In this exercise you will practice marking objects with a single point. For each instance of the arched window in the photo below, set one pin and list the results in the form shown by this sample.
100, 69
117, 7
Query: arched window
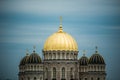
28, 78
101, 68
21, 78
54, 73
63, 73
34, 78
91, 68
71, 55
67, 55
31, 67
85, 78
104, 78
98, 68
71, 73
85, 68
92, 78
46, 73
40, 78
50, 54
35, 67
98, 78
82, 69
45, 56
58, 55
54, 55
94, 68
63, 56
74, 56
28, 67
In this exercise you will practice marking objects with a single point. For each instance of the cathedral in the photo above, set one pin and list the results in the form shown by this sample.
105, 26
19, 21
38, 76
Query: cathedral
60, 61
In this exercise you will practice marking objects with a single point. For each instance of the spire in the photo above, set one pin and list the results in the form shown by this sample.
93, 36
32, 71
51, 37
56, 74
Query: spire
60, 27
84, 52
96, 49
34, 47
27, 52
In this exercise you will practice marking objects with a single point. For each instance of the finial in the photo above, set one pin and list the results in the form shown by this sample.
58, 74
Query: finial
60, 28
96, 51
27, 52
84, 52
34, 47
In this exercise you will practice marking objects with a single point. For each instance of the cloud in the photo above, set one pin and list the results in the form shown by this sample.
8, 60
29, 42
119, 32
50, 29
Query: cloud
81, 7
90, 22
26, 34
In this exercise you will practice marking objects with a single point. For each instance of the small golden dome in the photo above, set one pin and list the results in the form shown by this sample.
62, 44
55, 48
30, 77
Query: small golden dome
60, 41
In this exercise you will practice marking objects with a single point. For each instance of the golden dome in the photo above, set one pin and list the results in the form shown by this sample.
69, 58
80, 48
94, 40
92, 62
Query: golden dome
60, 41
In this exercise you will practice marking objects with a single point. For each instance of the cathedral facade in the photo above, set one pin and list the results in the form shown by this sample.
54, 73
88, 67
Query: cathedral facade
61, 61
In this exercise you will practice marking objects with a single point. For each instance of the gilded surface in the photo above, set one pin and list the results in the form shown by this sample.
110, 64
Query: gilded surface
60, 41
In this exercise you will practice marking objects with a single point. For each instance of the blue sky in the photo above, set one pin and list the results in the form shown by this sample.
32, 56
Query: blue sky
24, 24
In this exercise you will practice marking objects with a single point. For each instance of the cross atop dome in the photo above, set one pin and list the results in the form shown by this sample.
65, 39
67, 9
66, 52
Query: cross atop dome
60, 28
96, 49
60, 20
60, 41
34, 47
84, 52
27, 52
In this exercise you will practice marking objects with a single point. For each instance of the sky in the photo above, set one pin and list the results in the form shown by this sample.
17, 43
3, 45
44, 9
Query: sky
91, 23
